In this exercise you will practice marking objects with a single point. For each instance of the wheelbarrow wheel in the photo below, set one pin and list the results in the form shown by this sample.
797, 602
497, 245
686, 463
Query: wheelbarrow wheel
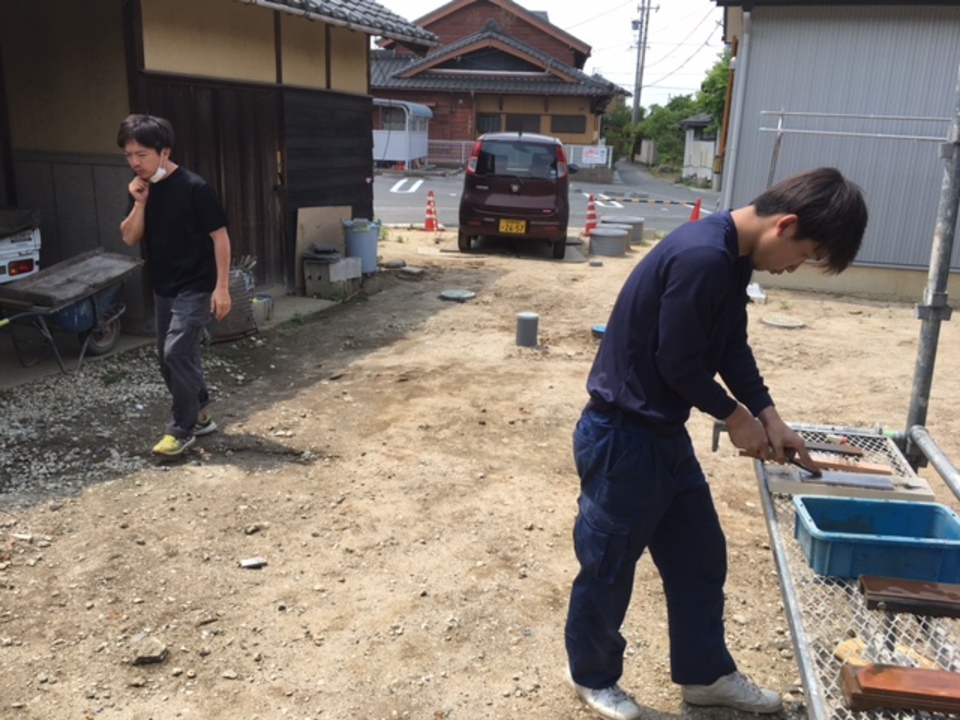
101, 341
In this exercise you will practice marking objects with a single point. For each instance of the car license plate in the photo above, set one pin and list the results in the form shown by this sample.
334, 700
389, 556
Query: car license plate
513, 226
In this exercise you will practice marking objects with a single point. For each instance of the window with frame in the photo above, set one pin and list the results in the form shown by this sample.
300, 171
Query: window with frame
523, 123
568, 124
488, 122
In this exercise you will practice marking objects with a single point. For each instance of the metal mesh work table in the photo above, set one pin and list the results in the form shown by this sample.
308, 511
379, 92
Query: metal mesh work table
824, 611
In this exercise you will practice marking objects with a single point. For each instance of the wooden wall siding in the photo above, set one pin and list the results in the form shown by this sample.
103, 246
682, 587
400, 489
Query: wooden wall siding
229, 135
472, 18
329, 153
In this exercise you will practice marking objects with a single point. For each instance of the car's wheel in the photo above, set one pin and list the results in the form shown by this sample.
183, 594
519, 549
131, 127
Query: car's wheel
101, 341
463, 241
559, 250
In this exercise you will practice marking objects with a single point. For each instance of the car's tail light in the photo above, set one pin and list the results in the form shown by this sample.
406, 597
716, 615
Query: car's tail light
20, 267
474, 156
561, 162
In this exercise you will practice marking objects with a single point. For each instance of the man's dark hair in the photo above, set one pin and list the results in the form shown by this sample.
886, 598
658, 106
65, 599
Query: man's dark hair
148, 130
830, 209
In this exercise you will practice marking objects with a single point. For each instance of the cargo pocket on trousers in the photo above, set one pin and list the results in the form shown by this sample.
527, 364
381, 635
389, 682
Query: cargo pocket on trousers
600, 540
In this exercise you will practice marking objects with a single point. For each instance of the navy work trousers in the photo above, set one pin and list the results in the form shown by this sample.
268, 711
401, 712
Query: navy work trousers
181, 327
640, 489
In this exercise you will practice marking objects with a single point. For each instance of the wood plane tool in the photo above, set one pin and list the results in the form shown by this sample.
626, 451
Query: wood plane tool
899, 688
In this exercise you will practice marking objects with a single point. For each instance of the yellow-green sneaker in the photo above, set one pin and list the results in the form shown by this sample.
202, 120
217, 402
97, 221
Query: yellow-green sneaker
172, 446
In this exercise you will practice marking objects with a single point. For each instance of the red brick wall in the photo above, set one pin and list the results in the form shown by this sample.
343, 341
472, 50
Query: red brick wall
471, 19
452, 112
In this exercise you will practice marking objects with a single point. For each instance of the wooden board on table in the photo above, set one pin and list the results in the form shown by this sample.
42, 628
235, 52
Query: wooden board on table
793, 481
852, 466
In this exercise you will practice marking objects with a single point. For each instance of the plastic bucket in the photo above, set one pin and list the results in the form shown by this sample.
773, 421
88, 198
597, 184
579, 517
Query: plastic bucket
361, 238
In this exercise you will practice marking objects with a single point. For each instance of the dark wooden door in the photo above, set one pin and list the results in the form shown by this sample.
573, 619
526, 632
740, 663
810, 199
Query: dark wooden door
229, 134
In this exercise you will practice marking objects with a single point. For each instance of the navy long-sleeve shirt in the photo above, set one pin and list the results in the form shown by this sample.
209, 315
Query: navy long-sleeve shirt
680, 320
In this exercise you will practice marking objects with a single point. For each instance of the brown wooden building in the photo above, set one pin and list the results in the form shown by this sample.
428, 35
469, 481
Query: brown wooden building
498, 67
269, 99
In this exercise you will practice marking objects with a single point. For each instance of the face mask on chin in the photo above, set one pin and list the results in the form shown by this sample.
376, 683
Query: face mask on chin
159, 175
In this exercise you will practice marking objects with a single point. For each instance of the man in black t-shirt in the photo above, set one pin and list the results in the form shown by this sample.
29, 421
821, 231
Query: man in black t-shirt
184, 228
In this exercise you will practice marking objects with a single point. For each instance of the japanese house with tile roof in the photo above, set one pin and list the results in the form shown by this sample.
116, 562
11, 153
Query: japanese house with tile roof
499, 67
269, 100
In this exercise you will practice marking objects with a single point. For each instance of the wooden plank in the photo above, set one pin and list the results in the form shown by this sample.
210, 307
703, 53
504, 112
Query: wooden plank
933, 599
899, 688
71, 280
851, 466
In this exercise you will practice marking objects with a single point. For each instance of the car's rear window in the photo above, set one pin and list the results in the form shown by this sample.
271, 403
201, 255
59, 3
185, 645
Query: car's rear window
517, 159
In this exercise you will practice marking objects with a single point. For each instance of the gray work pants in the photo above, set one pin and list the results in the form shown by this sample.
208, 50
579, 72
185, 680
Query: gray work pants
181, 327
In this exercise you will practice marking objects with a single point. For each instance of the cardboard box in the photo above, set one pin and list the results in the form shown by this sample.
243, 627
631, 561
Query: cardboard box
332, 281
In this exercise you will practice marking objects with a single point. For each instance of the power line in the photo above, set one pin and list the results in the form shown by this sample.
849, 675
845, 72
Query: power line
584, 22
679, 67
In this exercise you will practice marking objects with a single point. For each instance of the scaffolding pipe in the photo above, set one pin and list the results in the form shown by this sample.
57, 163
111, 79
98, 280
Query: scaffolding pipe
922, 441
934, 308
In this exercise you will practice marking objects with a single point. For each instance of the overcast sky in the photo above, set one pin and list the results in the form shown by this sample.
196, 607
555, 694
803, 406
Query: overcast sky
683, 40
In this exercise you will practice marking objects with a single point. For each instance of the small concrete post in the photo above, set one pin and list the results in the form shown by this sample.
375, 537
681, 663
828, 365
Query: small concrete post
527, 329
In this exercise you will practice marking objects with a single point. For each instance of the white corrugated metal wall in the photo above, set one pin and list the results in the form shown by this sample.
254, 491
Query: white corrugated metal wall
900, 61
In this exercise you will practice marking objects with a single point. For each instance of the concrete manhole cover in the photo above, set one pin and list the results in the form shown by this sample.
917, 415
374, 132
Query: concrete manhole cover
458, 295
782, 321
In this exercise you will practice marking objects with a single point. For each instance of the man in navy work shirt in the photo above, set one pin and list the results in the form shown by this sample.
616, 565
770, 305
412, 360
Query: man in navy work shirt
181, 221
679, 321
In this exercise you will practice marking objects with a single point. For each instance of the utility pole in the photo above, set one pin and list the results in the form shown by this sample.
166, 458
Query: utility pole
641, 25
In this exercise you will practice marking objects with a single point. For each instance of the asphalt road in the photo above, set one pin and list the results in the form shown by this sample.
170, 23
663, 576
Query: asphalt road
402, 200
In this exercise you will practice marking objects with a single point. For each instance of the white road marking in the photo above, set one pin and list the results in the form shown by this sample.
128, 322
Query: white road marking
604, 201
400, 183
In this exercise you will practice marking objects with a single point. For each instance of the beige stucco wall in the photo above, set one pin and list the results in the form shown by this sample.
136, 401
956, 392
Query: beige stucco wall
235, 41
222, 39
544, 107
304, 52
873, 283
349, 58
65, 93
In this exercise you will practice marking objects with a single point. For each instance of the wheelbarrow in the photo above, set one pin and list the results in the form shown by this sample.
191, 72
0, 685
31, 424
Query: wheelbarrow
80, 295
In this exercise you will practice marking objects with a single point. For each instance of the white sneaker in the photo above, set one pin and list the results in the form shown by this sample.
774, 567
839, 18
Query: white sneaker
609, 702
735, 690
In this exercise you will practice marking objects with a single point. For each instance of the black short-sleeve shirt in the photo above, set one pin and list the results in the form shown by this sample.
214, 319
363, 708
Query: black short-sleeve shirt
181, 212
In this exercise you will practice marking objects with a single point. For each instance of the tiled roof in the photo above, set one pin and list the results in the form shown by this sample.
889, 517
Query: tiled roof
386, 68
701, 120
361, 15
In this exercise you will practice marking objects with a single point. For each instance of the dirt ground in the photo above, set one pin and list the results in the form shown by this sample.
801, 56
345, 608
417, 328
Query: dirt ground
404, 469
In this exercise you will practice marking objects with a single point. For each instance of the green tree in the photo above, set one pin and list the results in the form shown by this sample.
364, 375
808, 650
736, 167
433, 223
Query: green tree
662, 126
619, 131
713, 91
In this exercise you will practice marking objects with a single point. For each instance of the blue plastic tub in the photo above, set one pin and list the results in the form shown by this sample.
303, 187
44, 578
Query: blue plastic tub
849, 537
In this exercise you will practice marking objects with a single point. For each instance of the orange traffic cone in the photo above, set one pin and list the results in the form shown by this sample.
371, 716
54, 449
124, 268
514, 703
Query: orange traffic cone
695, 215
430, 223
591, 216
